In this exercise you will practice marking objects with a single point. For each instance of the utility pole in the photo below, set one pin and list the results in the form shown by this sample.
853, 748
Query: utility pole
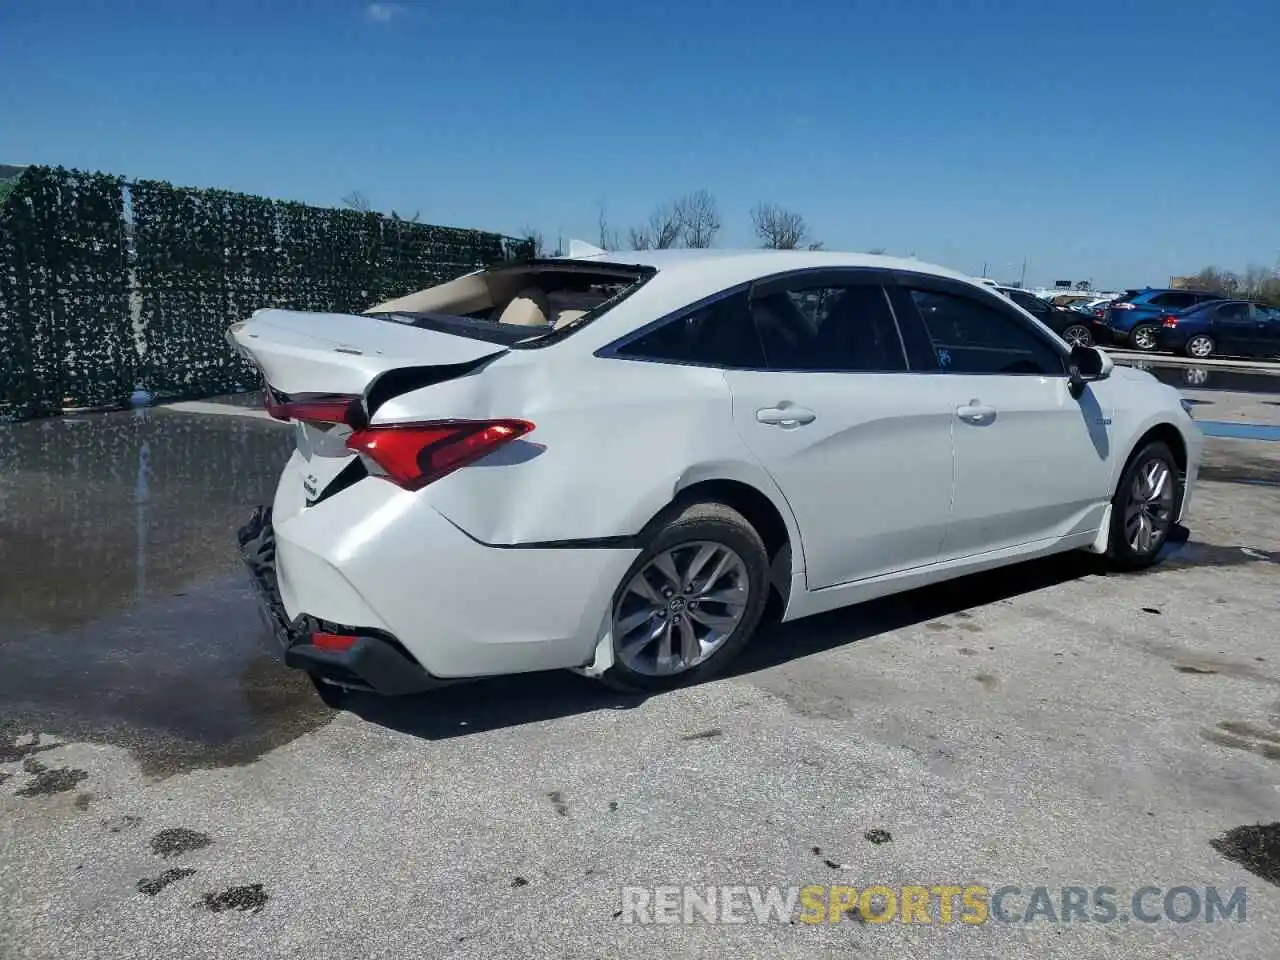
1022, 281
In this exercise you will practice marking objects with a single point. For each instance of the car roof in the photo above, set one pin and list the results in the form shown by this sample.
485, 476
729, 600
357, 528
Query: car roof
724, 268
1198, 293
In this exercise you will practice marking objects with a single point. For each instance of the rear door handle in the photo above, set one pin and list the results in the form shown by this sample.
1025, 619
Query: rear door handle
786, 414
975, 411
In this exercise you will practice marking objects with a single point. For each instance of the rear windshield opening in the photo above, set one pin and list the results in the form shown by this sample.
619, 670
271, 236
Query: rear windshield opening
527, 304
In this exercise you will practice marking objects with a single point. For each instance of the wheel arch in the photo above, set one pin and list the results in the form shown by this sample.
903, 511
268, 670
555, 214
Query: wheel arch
1163, 432
763, 506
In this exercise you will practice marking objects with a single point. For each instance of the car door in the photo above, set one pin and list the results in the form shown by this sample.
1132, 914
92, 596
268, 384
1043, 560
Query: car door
1031, 461
1268, 331
1235, 331
859, 446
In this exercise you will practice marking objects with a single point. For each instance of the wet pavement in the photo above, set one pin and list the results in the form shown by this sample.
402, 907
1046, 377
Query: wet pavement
1207, 378
127, 617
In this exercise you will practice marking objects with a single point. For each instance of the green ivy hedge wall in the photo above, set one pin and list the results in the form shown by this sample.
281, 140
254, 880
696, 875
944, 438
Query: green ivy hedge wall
110, 285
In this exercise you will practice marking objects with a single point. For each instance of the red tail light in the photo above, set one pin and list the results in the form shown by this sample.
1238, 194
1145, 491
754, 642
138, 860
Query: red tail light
333, 642
316, 407
415, 454
1168, 320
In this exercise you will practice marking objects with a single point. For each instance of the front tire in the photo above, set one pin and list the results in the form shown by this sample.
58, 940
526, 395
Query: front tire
1143, 337
1145, 507
691, 601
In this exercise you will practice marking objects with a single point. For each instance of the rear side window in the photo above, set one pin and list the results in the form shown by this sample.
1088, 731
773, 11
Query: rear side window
1174, 301
1029, 302
847, 329
971, 337
719, 334
1232, 311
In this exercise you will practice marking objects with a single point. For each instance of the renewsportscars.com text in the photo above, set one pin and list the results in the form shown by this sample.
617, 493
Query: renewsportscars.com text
969, 904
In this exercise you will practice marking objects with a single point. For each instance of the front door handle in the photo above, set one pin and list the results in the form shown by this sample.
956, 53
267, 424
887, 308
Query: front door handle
786, 414
976, 412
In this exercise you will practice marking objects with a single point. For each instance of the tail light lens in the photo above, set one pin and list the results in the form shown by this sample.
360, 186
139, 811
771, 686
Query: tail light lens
416, 454
314, 407
1168, 320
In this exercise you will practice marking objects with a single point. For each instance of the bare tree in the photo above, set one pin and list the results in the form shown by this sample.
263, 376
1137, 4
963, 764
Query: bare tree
535, 239
778, 228
661, 231
817, 245
1255, 283
699, 218
1216, 281
410, 219
357, 201
608, 238
876, 251
640, 239
664, 226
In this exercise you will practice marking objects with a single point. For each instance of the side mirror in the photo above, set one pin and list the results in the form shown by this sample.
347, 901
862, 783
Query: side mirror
1087, 364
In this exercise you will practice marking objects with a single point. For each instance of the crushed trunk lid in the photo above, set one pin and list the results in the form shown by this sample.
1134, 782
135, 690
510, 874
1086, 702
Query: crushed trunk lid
342, 353
310, 359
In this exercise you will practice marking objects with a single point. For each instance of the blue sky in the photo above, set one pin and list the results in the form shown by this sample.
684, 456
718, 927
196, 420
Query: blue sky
1120, 141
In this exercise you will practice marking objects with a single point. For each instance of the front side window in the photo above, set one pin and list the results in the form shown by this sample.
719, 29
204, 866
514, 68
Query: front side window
971, 337
719, 334
847, 329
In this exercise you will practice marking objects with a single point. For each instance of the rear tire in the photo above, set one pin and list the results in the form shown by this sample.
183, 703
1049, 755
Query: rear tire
1148, 499
691, 600
1200, 347
1078, 335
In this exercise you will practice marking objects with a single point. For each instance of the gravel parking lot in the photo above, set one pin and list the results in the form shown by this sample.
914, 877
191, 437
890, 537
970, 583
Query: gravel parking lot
167, 789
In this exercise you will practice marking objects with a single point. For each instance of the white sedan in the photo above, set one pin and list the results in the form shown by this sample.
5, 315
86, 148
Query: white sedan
623, 463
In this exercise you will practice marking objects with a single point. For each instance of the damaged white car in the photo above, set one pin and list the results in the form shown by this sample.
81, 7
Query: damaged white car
623, 463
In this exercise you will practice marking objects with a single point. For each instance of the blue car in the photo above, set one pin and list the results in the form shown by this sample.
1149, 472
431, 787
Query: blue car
1239, 328
1133, 319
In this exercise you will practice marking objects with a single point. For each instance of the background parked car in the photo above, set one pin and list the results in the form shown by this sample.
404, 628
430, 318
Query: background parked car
1070, 325
1133, 318
1239, 328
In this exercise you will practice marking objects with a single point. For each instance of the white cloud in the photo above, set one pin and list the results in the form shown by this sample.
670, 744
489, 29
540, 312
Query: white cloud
380, 12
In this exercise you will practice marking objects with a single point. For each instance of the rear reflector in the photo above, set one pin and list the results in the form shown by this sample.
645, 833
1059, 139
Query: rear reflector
415, 454
333, 642
314, 407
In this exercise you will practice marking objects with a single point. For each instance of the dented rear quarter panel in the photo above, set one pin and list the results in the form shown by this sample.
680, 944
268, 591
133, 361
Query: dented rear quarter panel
614, 442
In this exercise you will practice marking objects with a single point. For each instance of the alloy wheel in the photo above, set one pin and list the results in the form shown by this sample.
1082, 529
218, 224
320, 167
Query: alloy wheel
1077, 336
1149, 511
1144, 338
1200, 346
680, 608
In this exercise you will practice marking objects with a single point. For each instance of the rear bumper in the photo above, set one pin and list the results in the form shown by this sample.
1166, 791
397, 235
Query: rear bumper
386, 560
377, 662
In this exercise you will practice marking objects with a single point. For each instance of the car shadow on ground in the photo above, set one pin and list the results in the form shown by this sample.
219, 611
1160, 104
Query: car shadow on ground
489, 704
